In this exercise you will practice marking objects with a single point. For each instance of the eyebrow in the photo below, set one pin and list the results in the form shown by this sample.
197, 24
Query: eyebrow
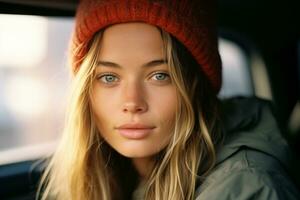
152, 63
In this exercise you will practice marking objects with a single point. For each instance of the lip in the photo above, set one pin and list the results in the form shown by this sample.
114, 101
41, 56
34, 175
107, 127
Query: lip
135, 131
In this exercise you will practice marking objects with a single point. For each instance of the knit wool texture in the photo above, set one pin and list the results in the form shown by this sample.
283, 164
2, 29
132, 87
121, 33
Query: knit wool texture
192, 22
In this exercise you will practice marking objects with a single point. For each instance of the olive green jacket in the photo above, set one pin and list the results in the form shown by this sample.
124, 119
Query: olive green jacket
253, 162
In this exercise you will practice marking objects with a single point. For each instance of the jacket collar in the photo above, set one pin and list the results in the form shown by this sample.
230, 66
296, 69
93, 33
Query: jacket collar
250, 123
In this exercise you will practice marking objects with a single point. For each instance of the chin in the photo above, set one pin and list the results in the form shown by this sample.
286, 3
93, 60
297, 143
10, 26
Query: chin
137, 151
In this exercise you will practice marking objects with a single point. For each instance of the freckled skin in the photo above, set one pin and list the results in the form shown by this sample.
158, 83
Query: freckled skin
134, 94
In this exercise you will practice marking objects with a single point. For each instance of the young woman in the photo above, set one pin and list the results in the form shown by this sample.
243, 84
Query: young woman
144, 121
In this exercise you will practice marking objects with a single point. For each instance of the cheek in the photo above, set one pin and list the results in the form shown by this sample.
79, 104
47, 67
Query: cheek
103, 106
164, 105
164, 112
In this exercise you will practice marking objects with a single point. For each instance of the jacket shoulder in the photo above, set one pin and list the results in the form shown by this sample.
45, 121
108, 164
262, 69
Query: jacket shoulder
248, 174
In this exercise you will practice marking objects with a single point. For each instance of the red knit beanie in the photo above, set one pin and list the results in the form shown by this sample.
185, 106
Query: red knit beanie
192, 22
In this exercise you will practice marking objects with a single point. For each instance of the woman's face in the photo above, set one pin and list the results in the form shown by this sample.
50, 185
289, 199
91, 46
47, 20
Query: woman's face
133, 98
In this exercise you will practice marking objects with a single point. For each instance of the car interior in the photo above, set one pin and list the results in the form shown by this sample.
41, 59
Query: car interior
259, 45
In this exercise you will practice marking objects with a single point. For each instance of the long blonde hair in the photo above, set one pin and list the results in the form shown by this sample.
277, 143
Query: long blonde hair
84, 165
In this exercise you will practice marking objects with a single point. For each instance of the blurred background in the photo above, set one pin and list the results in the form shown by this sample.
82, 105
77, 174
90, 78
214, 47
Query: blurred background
33, 84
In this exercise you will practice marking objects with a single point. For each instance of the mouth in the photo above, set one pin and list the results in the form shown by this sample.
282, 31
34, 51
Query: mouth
135, 131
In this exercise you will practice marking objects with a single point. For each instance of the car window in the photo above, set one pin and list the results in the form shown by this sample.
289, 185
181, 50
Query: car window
34, 82
236, 74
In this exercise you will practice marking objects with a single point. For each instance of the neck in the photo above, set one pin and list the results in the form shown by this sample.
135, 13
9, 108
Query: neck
143, 167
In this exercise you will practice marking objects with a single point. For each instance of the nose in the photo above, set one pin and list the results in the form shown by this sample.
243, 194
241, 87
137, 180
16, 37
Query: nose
134, 99
133, 108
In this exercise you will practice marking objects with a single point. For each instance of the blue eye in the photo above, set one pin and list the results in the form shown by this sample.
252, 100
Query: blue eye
161, 76
108, 78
